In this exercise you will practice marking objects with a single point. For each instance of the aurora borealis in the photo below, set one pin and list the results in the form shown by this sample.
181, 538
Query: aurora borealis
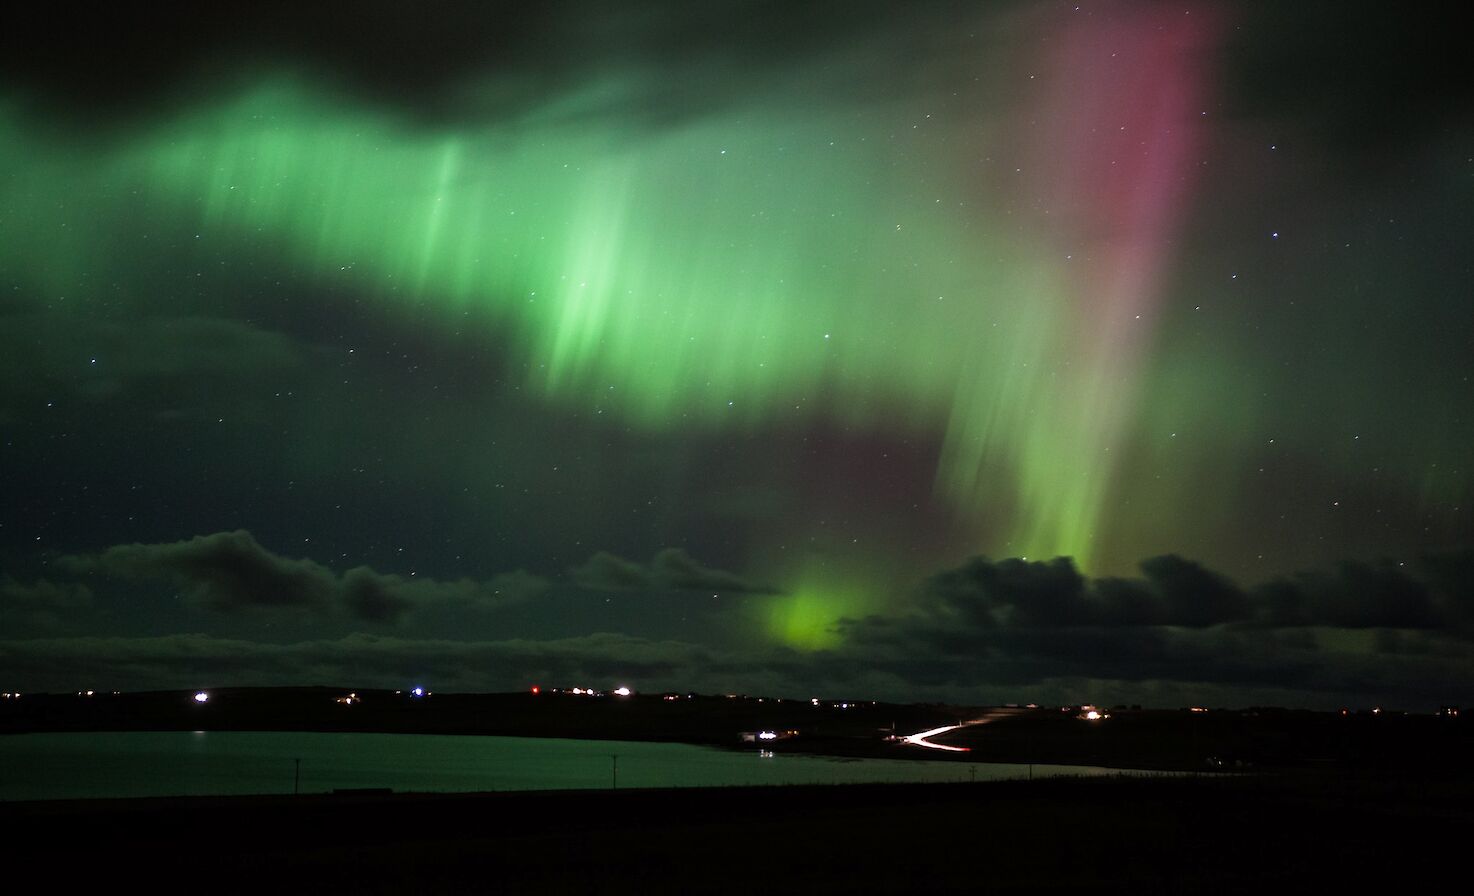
383, 349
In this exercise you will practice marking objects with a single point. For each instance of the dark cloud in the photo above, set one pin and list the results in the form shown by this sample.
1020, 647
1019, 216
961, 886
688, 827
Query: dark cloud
606, 572
1020, 623
1434, 592
380, 597
1009, 630
376, 597
1188, 594
1359, 595
41, 604
45, 593
224, 571
124, 62
990, 594
1018, 593
671, 570
230, 571
1449, 576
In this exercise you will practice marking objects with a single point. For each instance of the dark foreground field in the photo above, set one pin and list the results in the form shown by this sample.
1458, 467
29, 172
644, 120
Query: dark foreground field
1216, 835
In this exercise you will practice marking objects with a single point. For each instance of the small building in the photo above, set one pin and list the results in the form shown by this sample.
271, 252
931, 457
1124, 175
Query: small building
767, 736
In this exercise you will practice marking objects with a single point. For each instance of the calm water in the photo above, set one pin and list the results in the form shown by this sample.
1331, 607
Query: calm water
66, 766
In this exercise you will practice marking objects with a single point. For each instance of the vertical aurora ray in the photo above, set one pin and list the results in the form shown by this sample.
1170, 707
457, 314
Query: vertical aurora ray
1106, 168
757, 266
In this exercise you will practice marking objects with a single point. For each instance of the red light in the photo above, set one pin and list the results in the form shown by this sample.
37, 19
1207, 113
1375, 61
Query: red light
536, 689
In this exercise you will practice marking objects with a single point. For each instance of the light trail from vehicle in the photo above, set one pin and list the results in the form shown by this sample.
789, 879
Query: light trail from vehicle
922, 739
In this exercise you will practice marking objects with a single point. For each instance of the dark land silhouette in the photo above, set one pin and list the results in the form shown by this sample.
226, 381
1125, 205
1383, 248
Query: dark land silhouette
1199, 834
1187, 739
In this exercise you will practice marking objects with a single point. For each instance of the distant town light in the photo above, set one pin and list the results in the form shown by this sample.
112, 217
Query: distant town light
201, 697
417, 692
767, 735
622, 691
536, 689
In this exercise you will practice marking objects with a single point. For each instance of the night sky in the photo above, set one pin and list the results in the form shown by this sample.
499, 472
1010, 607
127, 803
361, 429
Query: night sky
1061, 352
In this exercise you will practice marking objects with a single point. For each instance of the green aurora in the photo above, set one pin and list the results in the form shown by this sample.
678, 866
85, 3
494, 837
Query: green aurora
1082, 358
730, 274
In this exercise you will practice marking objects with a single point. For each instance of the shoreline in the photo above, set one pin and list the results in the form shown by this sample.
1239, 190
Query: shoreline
1186, 740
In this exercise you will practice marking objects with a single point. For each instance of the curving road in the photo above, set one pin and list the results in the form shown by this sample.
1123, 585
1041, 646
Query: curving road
920, 739
924, 738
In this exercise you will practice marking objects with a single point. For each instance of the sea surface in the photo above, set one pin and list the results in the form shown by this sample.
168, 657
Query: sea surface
198, 763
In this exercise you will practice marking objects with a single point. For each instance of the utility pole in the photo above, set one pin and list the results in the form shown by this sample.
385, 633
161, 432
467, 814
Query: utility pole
614, 772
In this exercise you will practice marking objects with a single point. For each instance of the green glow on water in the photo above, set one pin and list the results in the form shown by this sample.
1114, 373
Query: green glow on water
101, 765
